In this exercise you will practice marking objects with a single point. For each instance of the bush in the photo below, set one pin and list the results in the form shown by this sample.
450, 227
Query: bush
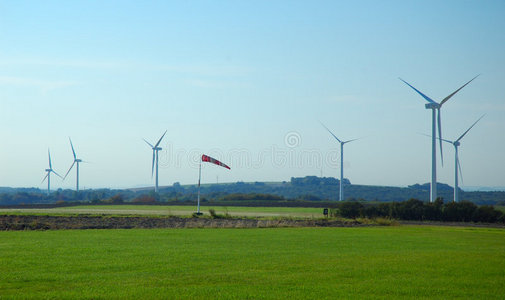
351, 209
459, 211
117, 199
386, 222
372, 212
144, 199
333, 212
434, 211
502, 218
412, 209
417, 210
214, 215
486, 214
253, 196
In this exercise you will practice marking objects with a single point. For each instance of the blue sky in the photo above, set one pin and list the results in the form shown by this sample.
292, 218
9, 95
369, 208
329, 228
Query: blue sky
247, 82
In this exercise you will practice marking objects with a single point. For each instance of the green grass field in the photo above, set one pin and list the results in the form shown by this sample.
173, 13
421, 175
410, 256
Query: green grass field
302, 212
297, 263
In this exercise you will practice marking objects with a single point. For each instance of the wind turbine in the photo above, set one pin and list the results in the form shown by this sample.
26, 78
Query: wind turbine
48, 175
342, 143
456, 160
155, 159
76, 161
435, 108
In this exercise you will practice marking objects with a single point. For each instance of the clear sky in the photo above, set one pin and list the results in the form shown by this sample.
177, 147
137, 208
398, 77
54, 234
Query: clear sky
247, 82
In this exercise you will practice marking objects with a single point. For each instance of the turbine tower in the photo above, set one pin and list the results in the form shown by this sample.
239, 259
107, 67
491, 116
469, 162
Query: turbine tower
456, 160
48, 175
76, 161
435, 113
342, 143
155, 159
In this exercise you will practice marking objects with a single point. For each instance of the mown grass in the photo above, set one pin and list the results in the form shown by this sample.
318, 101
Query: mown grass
298, 263
173, 210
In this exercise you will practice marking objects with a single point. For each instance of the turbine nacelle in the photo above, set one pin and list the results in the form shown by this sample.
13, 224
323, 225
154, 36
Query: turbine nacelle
432, 105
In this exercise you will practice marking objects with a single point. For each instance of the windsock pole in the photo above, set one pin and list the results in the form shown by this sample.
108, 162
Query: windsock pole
199, 178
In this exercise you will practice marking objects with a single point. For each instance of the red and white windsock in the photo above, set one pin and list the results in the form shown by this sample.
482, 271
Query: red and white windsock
206, 158
214, 161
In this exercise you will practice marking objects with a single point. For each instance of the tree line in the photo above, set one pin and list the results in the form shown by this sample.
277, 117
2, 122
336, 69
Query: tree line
417, 210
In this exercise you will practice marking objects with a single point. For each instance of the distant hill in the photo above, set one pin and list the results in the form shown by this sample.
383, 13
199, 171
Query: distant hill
10, 190
326, 188
484, 188
309, 188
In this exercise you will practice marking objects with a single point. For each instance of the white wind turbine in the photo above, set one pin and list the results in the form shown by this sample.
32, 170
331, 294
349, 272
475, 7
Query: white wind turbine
435, 108
342, 143
48, 175
76, 161
155, 159
456, 160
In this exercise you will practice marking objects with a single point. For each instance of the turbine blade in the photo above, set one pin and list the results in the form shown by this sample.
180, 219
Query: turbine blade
73, 151
352, 140
69, 170
423, 95
49, 154
448, 97
460, 172
148, 143
331, 133
451, 142
154, 157
440, 136
469, 129
159, 141
45, 177
57, 174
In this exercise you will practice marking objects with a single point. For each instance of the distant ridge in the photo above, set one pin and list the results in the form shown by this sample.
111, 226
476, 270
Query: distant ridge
483, 188
309, 188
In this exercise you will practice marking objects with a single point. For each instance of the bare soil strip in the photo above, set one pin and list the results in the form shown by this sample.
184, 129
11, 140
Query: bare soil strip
27, 222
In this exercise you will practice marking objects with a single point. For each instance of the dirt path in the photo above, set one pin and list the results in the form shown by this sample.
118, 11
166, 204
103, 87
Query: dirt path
27, 222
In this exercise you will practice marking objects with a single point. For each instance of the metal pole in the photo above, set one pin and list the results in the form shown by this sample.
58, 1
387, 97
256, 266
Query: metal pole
433, 187
77, 176
48, 182
341, 172
156, 184
456, 192
199, 178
